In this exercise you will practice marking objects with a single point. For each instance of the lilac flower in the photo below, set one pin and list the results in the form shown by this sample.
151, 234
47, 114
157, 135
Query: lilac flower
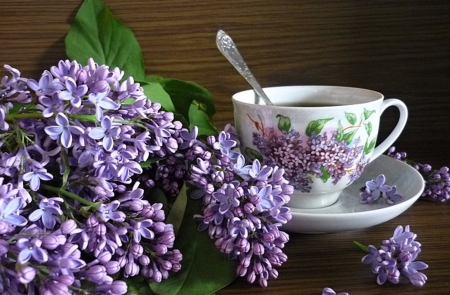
102, 102
395, 257
48, 211
108, 211
377, 188
34, 177
140, 229
46, 85
329, 291
31, 249
108, 131
227, 198
63, 130
190, 138
239, 228
223, 143
9, 211
437, 181
73, 92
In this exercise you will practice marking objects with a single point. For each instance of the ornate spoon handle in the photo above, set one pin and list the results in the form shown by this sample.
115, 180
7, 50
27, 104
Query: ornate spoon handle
230, 51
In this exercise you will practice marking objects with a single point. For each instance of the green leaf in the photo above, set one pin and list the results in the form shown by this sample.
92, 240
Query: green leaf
137, 285
96, 33
368, 127
316, 126
198, 117
368, 147
175, 216
347, 137
156, 93
284, 123
253, 154
183, 93
204, 268
325, 174
367, 113
156, 195
362, 247
351, 118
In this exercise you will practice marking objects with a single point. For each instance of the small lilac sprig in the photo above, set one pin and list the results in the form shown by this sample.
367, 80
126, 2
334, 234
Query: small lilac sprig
377, 188
437, 181
244, 205
329, 291
395, 257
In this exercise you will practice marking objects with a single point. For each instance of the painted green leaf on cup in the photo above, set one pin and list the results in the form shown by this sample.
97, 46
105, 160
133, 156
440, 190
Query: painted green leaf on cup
369, 146
325, 174
339, 131
351, 118
368, 127
253, 154
284, 123
367, 113
316, 126
347, 137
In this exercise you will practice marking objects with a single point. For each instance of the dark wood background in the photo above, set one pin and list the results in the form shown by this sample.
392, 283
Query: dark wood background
398, 47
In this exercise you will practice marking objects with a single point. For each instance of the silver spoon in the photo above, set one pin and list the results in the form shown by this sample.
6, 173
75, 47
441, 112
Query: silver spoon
230, 51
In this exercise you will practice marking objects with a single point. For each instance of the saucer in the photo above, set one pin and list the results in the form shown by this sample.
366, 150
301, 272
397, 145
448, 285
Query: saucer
349, 214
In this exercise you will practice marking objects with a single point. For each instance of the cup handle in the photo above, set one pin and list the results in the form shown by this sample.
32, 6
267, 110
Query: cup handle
389, 141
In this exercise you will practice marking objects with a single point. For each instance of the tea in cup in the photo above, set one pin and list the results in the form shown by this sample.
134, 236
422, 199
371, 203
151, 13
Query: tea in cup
322, 136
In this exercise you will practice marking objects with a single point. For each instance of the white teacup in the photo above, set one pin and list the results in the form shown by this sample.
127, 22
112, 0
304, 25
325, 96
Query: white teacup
323, 136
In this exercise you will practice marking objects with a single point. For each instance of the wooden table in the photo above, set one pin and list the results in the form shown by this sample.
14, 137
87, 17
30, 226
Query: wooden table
331, 260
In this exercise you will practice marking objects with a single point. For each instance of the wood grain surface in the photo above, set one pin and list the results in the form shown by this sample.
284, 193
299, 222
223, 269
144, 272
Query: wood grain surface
398, 47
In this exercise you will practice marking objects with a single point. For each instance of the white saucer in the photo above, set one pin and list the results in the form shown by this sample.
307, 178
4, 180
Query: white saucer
349, 214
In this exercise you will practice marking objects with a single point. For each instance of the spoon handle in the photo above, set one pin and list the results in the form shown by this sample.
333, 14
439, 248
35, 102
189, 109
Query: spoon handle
230, 51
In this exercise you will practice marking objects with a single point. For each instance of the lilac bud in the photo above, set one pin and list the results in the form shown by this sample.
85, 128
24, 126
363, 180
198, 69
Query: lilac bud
249, 208
26, 274
65, 279
144, 260
68, 226
161, 249
104, 257
159, 227
166, 265
166, 239
100, 229
176, 267
241, 270
258, 249
136, 205
4, 247
92, 221
51, 242
121, 188
131, 269
118, 287
112, 267
251, 277
5, 227
96, 273
211, 140
137, 250
157, 276
58, 289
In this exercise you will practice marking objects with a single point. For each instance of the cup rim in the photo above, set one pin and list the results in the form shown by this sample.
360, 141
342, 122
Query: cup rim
377, 96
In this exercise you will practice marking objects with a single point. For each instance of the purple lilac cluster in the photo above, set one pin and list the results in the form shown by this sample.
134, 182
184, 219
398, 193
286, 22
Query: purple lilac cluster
377, 188
397, 256
73, 216
302, 161
244, 205
437, 181
329, 291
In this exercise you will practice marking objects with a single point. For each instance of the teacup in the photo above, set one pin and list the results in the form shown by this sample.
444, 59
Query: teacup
323, 136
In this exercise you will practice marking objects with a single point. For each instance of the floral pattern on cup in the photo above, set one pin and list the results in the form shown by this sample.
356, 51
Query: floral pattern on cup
322, 152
